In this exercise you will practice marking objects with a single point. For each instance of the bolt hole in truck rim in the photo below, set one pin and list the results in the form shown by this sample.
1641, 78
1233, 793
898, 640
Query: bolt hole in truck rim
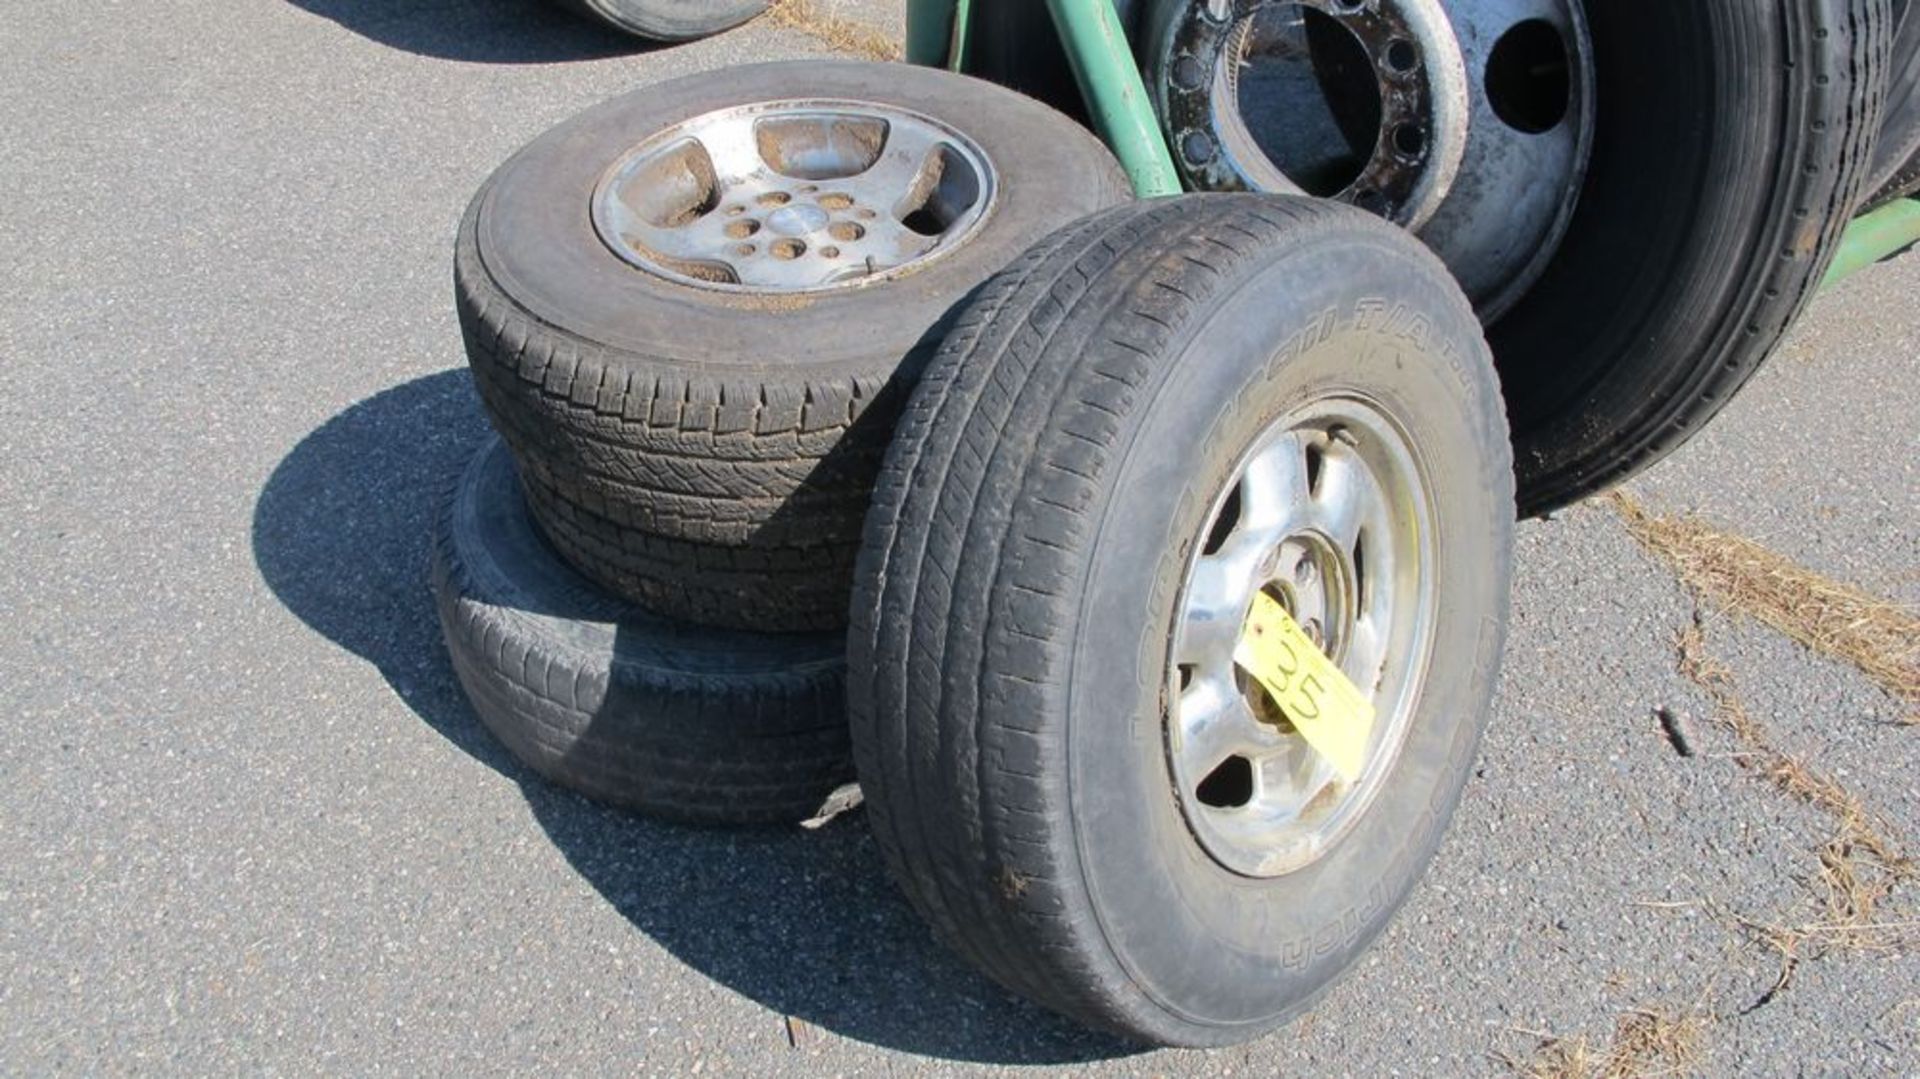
795, 196
1329, 515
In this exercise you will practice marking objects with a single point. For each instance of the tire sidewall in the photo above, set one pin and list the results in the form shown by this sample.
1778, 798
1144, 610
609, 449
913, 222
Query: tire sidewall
509, 567
675, 20
1158, 898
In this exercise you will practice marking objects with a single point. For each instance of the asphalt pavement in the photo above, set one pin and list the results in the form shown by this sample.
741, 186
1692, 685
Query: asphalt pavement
248, 824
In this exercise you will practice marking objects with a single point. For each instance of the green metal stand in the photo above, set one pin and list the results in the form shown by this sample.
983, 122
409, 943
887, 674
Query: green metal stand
1109, 79
1103, 65
929, 31
1887, 231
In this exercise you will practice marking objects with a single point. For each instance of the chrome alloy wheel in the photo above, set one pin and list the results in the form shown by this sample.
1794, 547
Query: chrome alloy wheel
794, 196
1328, 514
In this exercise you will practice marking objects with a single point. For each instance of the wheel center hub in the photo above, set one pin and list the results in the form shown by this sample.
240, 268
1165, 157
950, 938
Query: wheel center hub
1319, 547
1313, 580
794, 196
798, 220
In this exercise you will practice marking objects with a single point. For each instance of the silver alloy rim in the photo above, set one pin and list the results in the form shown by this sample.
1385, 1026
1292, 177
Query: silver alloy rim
1328, 513
795, 196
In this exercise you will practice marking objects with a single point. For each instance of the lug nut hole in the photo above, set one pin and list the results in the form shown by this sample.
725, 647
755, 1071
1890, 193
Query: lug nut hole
1409, 140
1402, 57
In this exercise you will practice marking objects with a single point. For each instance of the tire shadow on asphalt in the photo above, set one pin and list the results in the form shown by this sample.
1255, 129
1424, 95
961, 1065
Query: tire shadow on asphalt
804, 923
479, 31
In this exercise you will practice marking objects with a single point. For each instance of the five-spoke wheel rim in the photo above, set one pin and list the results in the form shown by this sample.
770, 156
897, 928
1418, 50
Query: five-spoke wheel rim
1328, 512
794, 196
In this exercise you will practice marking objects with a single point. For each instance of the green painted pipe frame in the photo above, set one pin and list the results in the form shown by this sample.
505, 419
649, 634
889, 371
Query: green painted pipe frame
1102, 61
1110, 80
1874, 236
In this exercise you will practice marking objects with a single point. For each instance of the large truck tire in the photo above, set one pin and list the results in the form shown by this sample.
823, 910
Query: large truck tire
1896, 163
1734, 140
668, 20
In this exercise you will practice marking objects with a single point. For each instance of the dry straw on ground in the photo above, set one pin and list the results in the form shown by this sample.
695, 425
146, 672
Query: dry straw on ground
1646, 1043
1879, 637
1859, 866
835, 32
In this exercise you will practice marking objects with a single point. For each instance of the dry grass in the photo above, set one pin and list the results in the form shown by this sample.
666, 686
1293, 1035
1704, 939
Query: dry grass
1646, 1043
1881, 638
1859, 867
835, 32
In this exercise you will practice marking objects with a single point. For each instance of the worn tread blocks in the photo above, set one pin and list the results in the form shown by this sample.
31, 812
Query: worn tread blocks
742, 743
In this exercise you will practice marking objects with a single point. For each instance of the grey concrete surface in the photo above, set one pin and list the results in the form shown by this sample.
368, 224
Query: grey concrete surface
247, 824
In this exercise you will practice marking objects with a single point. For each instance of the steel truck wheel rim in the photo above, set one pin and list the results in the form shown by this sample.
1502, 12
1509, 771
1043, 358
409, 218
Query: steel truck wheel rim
1329, 513
795, 196
1403, 56
1530, 66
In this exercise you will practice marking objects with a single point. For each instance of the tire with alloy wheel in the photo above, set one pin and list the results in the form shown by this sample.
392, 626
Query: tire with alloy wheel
668, 20
1732, 143
695, 311
681, 722
1154, 418
1896, 163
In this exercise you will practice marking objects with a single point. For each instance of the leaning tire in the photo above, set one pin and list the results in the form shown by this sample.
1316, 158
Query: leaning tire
708, 449
1013, 655
689, 724
668, 20
1732, 143
1896, 162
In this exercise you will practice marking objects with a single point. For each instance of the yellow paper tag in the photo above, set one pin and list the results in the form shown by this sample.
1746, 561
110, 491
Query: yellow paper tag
1318, 698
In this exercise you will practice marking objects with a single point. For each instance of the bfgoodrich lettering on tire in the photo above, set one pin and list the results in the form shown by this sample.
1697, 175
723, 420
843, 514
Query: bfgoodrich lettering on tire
1155, 415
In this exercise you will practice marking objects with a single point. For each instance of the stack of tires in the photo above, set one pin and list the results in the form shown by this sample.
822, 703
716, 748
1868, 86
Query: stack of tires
855, 423
694, 314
